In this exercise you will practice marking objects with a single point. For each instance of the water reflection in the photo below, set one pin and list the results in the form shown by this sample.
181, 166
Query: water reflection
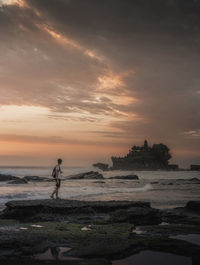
55, 253
155, 258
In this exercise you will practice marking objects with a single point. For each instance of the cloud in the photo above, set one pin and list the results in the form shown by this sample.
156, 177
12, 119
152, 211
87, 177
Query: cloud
131, 65
56, 140
195, 133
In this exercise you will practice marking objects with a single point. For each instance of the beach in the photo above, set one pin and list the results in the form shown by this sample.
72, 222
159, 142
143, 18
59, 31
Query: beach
164, 189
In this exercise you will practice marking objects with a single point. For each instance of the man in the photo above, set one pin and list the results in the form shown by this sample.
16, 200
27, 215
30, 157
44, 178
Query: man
57, 174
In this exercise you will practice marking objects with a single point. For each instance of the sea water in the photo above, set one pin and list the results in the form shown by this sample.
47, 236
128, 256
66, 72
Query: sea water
163, 189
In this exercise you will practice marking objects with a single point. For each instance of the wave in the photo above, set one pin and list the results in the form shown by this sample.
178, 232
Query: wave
147, 187
15, 196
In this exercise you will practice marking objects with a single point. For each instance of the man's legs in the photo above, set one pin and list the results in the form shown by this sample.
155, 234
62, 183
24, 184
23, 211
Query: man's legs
54, 192
58, 187
58, 182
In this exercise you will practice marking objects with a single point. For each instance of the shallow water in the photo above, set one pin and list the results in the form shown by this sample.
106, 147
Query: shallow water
163, 189
154, 258
55, 253
191, 238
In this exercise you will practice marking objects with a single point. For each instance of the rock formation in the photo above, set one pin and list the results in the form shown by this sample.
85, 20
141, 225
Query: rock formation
195, 167
87, 175
57, 210
59, 232
4, 177
102, 166
133, 177
145, 158
18, 181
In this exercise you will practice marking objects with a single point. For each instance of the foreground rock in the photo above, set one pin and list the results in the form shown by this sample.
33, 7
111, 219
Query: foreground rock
72, 261
134, 177
96, 243
87, 175
82, 211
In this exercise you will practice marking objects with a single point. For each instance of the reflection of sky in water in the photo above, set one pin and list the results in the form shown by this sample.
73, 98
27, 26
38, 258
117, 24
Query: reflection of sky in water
152, 186
155, 258
192, 238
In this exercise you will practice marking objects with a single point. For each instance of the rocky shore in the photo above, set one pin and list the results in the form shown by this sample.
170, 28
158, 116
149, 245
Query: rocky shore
86, 175
17, 180
94, 232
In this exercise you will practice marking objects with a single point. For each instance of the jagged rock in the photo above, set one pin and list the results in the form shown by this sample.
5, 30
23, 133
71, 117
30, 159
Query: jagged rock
56, 210
4, 177
36, 178
134, 177
88, 175
103, 243
193, 180
18, 181
102, 166
194, 206
137, 215
195, 167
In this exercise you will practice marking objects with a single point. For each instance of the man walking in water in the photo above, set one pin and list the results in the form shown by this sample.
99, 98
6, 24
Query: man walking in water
57, 174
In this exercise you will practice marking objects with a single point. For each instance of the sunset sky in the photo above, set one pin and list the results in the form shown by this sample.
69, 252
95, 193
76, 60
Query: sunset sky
87, 79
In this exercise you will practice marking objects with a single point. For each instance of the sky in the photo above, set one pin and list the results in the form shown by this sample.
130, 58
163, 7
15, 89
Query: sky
87, 79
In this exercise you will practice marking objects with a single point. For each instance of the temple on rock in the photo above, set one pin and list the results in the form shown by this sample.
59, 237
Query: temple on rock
145, 158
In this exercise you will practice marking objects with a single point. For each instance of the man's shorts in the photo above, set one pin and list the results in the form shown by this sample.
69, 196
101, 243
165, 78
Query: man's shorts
58, 182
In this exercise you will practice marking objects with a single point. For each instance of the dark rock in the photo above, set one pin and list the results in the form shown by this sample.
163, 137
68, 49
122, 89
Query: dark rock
102, 242
173, 167
31, 261
102, 166
71, 210
18, 181
87, 175
125, 177
99, 182
194, 179
4, 177
137, 215
194, 206
36, 178
195, 167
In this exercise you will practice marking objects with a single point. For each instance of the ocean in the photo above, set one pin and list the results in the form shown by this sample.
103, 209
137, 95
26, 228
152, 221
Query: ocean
163, 189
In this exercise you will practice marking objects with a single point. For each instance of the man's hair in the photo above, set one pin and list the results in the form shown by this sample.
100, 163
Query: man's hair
59, 160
